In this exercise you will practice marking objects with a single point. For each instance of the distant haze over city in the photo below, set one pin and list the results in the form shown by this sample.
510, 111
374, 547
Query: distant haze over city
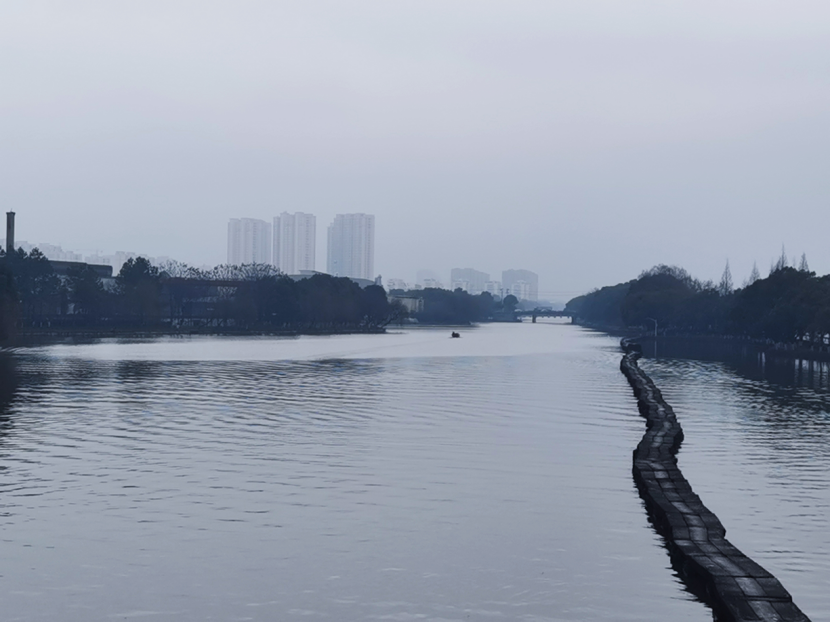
582, 141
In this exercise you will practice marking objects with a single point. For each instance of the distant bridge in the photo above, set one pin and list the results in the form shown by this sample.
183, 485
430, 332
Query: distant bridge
542, 312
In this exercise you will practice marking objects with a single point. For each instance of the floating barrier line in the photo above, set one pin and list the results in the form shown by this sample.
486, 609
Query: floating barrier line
737, 588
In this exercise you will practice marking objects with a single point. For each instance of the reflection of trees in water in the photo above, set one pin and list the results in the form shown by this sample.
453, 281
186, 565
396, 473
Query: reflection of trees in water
8, 378
798, 373
790, 397
749, 362
8, 388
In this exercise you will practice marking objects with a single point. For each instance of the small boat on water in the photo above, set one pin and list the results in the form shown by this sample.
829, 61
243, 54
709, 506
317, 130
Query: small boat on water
455, 335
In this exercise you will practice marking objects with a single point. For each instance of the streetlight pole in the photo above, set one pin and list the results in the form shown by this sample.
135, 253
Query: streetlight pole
655, 325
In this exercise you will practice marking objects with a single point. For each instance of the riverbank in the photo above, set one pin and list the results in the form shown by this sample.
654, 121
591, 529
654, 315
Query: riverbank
700, 342
730, 344
715, 570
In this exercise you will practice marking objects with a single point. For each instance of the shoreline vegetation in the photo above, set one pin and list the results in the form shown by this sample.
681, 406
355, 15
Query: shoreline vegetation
143, 299
787, 313
176, 299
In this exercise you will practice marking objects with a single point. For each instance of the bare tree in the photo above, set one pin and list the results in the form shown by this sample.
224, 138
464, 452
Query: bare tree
222, 272
245, 272
803, 266
257, 271
177, 269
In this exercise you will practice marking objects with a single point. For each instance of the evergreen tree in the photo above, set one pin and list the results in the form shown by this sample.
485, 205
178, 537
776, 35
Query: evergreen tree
725, 288
86, 292
8, 302
781, 263
139, 288
754, 275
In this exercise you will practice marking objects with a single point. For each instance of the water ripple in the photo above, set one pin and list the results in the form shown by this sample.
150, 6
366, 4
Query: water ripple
757, 450
397, 477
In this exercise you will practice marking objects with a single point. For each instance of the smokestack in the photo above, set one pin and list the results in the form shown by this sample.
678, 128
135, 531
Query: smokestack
9, 232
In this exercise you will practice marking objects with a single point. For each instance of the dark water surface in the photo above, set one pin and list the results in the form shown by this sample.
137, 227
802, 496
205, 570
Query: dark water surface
399, 477
757, 451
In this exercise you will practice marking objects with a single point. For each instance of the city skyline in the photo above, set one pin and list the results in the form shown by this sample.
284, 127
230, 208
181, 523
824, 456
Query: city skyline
536, 219
349, 250
522, 283
301, 228
499, 145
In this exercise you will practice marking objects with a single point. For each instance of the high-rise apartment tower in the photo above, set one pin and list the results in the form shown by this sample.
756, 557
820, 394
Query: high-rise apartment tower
523, 284
471, 281
351, 246
295, 245
249, 241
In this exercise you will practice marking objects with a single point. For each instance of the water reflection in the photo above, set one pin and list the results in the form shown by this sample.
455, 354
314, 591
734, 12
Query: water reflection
756, 449
8, 378
747, 360
789, 396
143, 479
8, 388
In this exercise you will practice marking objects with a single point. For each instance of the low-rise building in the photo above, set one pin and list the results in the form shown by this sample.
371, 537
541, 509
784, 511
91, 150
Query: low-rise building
396, 284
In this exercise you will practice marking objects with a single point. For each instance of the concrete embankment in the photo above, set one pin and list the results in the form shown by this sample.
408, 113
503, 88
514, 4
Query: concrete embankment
736, 587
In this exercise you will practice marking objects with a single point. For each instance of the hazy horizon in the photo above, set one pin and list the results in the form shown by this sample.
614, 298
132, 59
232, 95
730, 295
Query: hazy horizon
586, 142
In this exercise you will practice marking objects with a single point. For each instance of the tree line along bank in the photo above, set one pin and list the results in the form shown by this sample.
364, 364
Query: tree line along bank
791, 305
144, 297
247, 298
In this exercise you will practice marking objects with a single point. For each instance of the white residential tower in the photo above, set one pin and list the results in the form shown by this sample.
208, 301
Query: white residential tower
249, 241
351, 246
295, 238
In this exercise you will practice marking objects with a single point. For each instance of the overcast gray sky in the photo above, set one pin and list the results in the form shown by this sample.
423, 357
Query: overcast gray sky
585, 140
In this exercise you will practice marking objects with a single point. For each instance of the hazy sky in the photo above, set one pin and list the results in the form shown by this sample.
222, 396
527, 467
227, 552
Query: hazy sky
585, 140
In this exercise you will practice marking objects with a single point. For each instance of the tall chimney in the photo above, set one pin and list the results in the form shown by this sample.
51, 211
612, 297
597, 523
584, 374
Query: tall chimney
9, 232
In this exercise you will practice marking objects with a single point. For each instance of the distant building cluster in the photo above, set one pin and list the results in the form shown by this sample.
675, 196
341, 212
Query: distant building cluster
115, 260
523, 284
421, 283
425, 279
471, 281
397, 284
289, 243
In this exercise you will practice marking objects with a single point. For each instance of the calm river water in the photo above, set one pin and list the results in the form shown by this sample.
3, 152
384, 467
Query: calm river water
757, 451
406, 476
